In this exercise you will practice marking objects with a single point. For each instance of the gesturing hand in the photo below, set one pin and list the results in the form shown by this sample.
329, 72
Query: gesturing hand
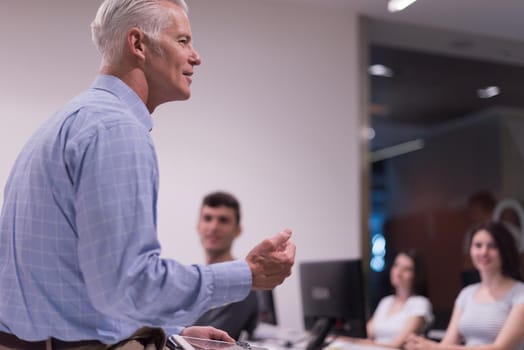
271, 260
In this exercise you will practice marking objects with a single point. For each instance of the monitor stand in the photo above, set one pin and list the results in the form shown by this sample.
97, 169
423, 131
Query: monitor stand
319, 331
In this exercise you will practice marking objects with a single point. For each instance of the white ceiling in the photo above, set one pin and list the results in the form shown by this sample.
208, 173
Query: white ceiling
464, 43
491, 31
497, 18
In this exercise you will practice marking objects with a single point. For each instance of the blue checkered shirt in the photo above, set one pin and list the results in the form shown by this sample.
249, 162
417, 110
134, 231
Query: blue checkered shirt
79, 252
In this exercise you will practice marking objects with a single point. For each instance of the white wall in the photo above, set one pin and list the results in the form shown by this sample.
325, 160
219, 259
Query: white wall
273, 118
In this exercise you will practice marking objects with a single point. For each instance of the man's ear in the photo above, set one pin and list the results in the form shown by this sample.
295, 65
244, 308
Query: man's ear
239, 231
136, 43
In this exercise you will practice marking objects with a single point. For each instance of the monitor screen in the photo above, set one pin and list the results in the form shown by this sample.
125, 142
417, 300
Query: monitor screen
333, 296
266, 307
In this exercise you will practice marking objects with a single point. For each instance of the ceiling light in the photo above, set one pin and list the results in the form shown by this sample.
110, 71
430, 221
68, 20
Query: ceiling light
380, 70
399, 5
488, 92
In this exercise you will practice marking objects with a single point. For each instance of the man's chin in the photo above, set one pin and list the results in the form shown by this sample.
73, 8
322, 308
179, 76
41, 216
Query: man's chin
181, 95
185, 97
185, 94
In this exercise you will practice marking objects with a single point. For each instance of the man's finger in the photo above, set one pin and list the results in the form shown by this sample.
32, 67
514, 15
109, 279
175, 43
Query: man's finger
281, 238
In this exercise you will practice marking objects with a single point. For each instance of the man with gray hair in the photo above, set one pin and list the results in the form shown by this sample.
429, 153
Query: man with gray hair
80, 264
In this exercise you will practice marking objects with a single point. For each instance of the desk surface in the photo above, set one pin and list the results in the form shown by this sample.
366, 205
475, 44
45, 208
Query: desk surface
277, 338
346, 345
335, 345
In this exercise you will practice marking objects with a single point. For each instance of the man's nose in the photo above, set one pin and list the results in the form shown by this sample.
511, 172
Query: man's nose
195, 58
213, 224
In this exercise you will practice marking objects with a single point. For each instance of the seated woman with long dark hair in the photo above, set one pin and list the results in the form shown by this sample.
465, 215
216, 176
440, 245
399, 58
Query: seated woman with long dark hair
407, 310
488, 315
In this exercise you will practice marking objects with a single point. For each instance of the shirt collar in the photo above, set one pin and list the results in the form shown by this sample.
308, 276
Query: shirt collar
121, 90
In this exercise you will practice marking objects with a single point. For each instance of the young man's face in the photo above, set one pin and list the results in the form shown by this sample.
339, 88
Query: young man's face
218, 229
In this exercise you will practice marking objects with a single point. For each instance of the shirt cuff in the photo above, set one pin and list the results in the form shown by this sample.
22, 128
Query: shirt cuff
173, 330
232, 281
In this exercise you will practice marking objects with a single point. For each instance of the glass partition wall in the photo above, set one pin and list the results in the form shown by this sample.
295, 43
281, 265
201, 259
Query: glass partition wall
444, 151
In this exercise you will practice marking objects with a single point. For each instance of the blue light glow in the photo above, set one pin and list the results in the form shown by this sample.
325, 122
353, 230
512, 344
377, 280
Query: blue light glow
377, 263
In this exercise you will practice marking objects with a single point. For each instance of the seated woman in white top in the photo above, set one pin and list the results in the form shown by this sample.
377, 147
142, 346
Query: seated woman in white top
488, 315
405, 312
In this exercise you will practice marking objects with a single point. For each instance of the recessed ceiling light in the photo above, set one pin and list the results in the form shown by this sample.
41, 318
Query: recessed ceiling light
380, 70
488, 92
399, 5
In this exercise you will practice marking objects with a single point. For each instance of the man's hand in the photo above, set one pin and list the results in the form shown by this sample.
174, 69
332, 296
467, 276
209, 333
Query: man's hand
271, 260
206, 332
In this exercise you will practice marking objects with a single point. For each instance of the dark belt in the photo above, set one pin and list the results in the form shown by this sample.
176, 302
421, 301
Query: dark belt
11, 341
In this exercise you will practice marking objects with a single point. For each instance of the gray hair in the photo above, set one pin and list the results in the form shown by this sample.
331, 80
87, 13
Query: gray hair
115, 17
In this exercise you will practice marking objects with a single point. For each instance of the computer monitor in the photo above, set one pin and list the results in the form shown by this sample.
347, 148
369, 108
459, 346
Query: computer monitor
333, 299
266, 307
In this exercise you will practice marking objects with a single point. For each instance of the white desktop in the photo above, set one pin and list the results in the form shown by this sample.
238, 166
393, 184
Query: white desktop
345, 345
277, 338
